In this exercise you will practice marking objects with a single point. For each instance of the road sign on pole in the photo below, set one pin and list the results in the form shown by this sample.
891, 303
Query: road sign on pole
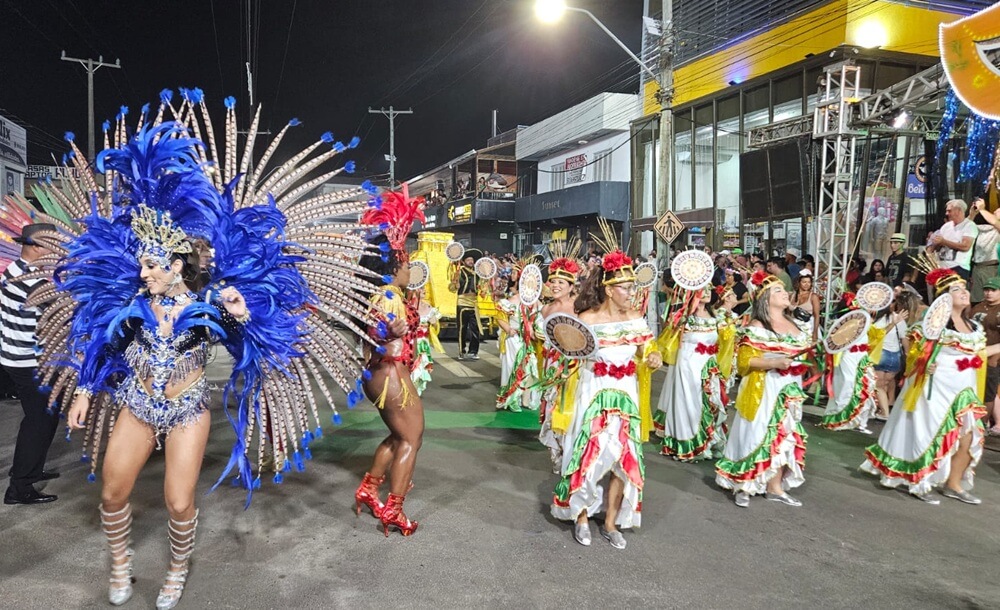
668, 227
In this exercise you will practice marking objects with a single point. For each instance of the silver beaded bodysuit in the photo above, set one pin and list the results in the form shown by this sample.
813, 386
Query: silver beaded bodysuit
165, 361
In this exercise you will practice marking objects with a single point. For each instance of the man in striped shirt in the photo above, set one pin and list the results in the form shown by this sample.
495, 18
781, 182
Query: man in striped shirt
17, 356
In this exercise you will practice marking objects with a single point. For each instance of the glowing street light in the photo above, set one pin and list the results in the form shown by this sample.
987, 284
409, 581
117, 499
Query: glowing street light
550, 11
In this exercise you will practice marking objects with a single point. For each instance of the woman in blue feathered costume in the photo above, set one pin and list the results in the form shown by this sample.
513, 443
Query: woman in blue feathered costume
127, 324
153, 361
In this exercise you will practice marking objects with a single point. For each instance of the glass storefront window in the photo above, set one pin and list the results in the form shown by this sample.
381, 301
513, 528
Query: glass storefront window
704, 163
755, 107
645, 143
683, 161
787, 93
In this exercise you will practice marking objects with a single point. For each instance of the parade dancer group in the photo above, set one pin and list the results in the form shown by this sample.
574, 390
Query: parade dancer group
932, 439
187, 248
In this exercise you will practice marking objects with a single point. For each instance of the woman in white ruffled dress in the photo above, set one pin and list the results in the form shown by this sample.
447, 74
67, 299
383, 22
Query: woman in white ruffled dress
691, 414
937, 441
765, 452
605, 437
518, 363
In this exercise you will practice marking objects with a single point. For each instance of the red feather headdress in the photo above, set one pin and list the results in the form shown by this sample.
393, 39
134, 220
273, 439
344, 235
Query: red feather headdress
394, 213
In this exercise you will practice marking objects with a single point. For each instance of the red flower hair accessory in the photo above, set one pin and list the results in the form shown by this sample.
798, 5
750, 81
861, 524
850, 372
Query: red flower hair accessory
565, 269
614, 261
758, 277
394, 213
720, 290
943, 279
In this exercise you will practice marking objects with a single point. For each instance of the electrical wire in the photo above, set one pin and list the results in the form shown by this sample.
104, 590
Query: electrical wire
284, 56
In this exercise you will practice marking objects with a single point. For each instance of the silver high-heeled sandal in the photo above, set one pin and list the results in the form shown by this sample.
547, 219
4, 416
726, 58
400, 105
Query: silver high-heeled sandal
117, 528
181, 534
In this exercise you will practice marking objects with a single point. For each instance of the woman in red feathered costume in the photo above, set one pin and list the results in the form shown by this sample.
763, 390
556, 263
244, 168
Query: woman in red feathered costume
934, 436
387, 381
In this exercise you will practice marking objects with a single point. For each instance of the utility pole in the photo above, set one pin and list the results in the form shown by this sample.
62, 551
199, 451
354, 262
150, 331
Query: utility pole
91, 66
664, 178
391, 114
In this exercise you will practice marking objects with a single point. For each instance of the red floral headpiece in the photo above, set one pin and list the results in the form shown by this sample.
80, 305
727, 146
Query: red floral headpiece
613, 261
763, 281
943, 279
394, 213
565, 269
617, 268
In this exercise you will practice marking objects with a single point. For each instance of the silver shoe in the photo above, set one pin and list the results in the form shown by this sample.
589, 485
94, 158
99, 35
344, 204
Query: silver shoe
181, 535
928, 498
473, 356
581, 533
742, 499
121, 575
783, 498
865, 431
961, 496
614, 537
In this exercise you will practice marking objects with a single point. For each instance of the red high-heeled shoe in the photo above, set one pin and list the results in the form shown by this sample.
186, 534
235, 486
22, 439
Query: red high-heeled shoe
367, 494
393, 516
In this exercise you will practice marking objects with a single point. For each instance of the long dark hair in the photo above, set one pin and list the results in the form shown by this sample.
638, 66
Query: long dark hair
761, 311
592, 294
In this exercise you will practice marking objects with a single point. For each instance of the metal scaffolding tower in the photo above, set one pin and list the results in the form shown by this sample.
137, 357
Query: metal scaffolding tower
836, 202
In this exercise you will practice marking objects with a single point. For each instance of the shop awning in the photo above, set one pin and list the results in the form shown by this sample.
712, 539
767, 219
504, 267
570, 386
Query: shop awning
607, 199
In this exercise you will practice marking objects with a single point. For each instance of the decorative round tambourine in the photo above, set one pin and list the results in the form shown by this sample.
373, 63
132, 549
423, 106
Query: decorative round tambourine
529, 285
486, 268
874, 296
570, 336
419, 274
692, 269
936, 317
847, 329
454, 251
645, 274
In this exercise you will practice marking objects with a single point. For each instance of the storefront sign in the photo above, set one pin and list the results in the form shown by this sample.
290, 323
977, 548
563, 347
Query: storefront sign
460, 214
55, 172
13, 145
575, 169
915, 187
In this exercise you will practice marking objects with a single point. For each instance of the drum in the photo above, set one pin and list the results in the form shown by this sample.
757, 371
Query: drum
419, 274
529, 285
570, 336
486, 268
646, 274
846, 330
454, 251
692, 270
874, 296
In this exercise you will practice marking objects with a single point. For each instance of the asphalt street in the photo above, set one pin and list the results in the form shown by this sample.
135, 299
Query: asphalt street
482, 489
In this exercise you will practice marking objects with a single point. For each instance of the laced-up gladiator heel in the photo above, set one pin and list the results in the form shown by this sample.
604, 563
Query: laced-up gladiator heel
181, 535
393, 516
367, 494
117, 528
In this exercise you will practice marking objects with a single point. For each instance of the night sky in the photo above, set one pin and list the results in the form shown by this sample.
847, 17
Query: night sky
324, 62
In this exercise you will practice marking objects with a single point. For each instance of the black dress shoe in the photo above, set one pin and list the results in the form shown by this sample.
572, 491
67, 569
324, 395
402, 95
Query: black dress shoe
28, 496
48, 475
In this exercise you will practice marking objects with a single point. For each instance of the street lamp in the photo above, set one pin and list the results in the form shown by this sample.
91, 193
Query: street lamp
551, 11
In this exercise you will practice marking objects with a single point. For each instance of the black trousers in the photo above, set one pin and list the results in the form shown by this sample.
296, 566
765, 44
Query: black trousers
37, 430
468, 330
